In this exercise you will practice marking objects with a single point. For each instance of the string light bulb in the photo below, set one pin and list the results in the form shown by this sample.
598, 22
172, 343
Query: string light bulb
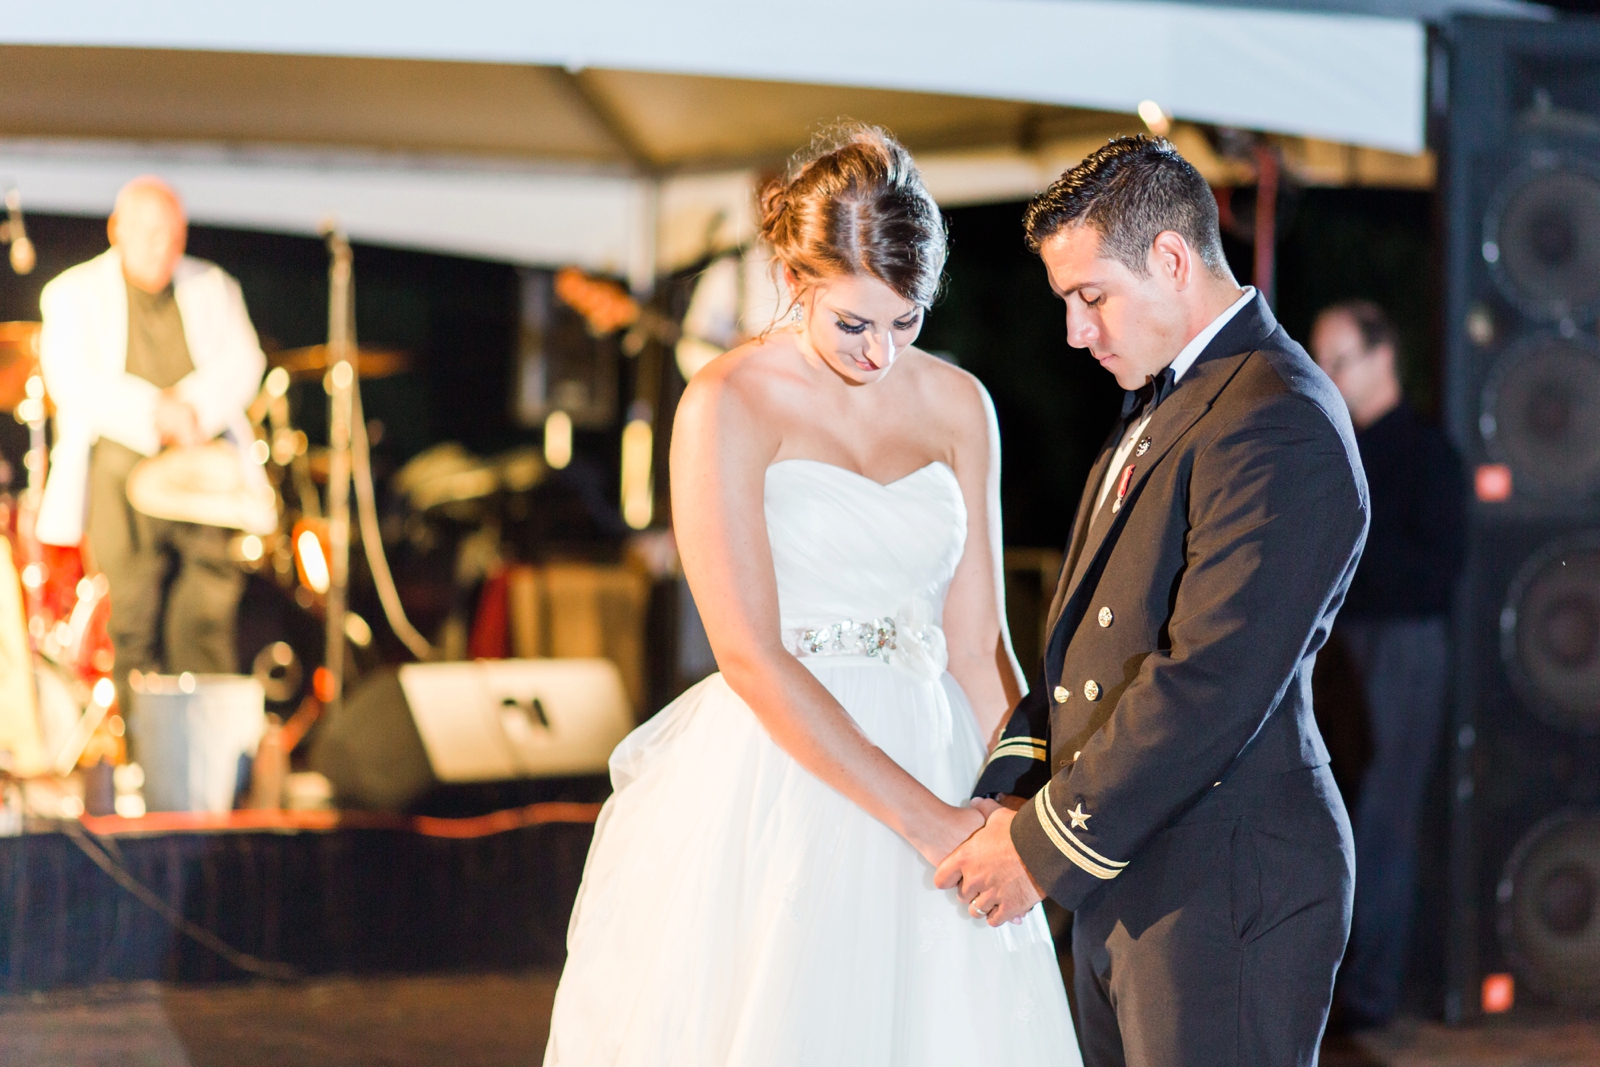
558, 440
313, 561
14, 232
638, 496
1159, 122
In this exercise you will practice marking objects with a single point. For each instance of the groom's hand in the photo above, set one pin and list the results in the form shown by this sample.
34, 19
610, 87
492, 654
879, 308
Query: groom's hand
991, 878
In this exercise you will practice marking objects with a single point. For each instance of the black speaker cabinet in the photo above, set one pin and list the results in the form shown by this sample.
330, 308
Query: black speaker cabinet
1516, 106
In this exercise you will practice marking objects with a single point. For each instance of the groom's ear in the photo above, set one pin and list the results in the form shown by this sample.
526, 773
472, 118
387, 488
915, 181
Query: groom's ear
1171, 259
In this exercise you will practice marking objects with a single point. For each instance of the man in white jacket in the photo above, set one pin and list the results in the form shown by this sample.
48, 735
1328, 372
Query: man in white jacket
144, 347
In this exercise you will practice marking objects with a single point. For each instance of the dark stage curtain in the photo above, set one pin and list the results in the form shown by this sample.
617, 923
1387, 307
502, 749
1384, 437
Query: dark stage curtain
344, 900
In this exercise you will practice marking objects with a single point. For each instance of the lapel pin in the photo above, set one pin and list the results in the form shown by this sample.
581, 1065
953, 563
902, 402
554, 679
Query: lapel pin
1144, 446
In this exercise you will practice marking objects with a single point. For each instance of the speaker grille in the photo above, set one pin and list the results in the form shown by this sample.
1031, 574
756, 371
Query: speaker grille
1543, 242
1550, 631
1549, 900
1541, 415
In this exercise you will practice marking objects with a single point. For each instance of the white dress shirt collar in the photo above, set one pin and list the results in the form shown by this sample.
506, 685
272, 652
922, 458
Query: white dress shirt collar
1197, 344
1185, 360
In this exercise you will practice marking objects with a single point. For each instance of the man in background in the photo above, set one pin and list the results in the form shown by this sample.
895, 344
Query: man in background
1394, 625
144, 348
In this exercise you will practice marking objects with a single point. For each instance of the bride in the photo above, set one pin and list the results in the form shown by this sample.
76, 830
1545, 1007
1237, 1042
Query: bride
760, 887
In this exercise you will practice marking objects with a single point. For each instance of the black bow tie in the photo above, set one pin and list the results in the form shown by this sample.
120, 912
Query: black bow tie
1147, 396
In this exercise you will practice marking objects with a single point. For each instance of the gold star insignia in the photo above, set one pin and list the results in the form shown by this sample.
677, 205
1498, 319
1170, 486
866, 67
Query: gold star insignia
1080, 818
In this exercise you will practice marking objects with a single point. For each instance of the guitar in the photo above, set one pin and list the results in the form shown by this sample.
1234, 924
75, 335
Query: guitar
607, 307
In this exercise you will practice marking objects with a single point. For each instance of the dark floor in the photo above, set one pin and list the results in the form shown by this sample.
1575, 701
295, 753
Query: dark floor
480, 1020
1533, 1039
500, 1020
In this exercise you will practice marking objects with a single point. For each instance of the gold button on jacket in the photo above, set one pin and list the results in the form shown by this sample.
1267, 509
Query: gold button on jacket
1062, 693
1091, 690
1106, 617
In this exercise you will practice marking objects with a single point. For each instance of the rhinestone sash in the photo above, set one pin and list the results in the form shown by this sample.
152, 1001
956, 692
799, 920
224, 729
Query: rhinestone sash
847, 637
908, 638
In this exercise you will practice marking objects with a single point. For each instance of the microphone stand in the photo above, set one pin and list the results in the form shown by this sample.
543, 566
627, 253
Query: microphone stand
341, 384
29, 549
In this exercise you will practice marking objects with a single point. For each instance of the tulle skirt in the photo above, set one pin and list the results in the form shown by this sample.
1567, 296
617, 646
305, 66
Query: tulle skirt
737, 911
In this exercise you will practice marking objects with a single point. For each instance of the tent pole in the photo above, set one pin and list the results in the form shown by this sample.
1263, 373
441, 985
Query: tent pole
1266, 221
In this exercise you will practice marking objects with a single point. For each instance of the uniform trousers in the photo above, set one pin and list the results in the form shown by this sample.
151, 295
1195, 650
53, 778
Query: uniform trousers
191, 627
1403, 665
1217, 946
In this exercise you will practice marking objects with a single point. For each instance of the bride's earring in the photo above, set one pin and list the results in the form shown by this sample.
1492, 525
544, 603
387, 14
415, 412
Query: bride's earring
798, 315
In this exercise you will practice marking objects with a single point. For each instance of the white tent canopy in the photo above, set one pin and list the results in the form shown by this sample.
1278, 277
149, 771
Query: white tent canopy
537, 216
617, 133
1340, 77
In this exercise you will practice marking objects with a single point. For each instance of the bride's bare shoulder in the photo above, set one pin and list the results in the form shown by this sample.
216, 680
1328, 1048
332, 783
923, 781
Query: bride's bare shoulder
954, 397
743, 386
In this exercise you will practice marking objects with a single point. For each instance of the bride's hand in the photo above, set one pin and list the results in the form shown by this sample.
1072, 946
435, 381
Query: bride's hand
945, 831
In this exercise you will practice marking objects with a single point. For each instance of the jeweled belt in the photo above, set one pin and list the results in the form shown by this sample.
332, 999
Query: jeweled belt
908, 638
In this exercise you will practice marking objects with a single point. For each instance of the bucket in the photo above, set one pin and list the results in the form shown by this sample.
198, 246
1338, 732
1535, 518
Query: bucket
194, 735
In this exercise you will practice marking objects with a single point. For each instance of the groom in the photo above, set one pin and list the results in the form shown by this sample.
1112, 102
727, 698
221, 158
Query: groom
1165, 780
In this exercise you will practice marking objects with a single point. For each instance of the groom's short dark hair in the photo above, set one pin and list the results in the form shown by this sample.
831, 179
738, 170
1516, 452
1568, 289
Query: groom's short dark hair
1131, 189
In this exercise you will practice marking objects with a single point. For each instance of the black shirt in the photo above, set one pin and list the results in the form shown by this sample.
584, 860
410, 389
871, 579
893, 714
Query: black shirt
1417, 537
158, 352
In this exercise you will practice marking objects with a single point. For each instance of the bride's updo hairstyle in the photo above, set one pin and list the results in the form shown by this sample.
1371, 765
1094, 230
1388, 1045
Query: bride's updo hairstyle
854, 203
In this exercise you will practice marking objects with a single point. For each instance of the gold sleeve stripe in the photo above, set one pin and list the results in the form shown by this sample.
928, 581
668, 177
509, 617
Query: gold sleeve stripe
1023, 742
1023, 747
1091, 853
1103, 873
1065, 840
1016, 747
1020, 751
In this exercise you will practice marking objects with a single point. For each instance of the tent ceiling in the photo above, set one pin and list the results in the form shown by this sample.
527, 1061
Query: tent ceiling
1335, 76
681, 120
606, 117
164, 95
622, 171
627, 134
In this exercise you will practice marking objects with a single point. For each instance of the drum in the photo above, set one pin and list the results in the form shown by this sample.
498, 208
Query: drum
213, 484
19, 361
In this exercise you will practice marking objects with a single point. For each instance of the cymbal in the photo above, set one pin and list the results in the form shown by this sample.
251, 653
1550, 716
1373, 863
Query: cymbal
19, 361
447, 474
310, 363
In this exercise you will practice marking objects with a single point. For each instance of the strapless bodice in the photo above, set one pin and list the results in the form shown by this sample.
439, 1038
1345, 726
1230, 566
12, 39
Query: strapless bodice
846, 547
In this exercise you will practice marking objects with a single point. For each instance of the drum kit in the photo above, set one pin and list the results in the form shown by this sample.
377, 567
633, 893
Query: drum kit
288, 503
61, 651
268, 490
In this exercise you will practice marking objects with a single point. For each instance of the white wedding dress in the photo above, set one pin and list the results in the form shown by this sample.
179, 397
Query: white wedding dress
735, 910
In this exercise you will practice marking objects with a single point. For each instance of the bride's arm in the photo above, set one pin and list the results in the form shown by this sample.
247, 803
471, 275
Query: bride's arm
720, 451
981, 660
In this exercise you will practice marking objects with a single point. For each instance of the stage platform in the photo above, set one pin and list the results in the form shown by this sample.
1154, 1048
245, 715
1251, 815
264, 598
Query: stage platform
286, 895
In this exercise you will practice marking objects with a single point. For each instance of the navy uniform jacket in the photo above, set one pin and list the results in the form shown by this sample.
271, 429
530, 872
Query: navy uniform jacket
1186, 623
